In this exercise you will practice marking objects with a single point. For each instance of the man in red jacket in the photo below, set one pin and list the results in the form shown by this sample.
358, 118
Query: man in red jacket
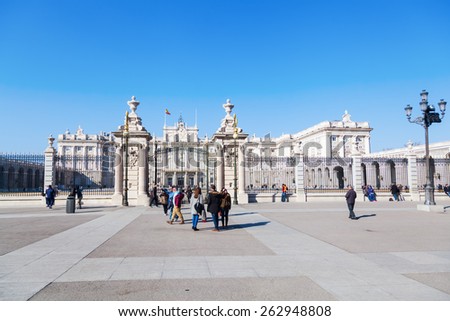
177, 208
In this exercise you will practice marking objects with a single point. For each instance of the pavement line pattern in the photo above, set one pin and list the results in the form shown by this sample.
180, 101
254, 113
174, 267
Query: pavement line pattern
346, 276
28, 270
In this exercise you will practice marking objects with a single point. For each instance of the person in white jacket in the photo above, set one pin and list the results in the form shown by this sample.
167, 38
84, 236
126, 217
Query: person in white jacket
197, 207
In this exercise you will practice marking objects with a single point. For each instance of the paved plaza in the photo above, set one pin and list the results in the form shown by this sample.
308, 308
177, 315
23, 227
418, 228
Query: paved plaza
274, 251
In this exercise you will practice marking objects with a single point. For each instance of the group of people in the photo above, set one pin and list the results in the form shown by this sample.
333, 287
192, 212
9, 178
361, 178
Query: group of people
369, 192
216, 203
396, 191
51, 193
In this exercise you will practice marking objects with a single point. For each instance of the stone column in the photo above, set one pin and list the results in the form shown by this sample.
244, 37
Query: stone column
299, 177
118, 176
49, 165
143, 197
385, 171
412, 177
242, 195
220, 169
357, 175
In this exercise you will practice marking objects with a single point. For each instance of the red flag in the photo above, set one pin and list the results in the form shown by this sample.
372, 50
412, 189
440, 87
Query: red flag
167, 112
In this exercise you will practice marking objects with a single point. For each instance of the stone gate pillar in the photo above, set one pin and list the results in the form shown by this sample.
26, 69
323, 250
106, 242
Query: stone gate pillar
412, 176
136, 139
300, 176
242, 195
357, 175
118, 175
220, 169
49, 164
143, 198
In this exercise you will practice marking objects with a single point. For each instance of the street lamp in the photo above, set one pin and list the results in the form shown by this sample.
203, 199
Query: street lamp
429, 117
235, 136
126, 136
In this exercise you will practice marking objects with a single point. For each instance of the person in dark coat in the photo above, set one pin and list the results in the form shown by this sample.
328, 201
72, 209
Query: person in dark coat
79, 193
395, 191
447, 189
225, 206
50, 196
214, 201
154, 196
350, 196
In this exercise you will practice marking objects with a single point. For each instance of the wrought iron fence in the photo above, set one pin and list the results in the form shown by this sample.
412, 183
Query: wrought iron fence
267, 174
92, 173
21, 173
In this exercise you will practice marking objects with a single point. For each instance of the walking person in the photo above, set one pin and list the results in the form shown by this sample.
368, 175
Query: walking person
170, 205
177, 201
197, 207
154, 198
79, 193
395, 191
225, 206
189, 193
284, 189
350, 196
50, 196
214, 199
371, 194
164, 200
447, 190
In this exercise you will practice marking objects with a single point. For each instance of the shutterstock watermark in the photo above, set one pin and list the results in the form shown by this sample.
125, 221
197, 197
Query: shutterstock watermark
179, 155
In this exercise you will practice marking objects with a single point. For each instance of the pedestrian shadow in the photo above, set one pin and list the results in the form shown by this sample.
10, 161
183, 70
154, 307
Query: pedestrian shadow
364, 216
245, 213
247, 225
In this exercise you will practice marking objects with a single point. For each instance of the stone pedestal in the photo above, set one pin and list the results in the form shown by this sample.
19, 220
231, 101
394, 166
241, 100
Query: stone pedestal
431, 208
133, 141
300, 177
233, 140
412, 177
49, 166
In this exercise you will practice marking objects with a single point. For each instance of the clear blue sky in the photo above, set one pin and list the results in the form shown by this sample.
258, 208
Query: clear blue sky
286, 65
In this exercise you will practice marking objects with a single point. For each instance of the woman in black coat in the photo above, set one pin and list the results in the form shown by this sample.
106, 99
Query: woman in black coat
214, 200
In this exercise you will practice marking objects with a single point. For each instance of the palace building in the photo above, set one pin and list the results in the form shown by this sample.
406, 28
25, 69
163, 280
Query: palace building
327, 156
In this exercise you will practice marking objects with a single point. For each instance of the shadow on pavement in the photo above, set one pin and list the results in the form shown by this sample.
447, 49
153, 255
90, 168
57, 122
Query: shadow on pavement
247, 225
364, 216
246, 213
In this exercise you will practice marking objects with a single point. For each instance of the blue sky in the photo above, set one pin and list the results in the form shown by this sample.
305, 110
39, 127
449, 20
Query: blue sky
286, 65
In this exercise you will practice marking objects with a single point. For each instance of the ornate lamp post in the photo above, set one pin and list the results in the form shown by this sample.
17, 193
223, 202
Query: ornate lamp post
126, 136
235, 136
429, 117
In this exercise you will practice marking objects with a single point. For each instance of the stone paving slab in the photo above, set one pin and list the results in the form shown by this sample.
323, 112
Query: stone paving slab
18, 232
187, 289
299, 252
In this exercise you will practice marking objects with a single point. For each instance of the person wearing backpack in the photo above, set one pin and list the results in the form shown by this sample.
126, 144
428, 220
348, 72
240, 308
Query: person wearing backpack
164, 200
177, 201
225, 206
214, 200
50, 196
197, 207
